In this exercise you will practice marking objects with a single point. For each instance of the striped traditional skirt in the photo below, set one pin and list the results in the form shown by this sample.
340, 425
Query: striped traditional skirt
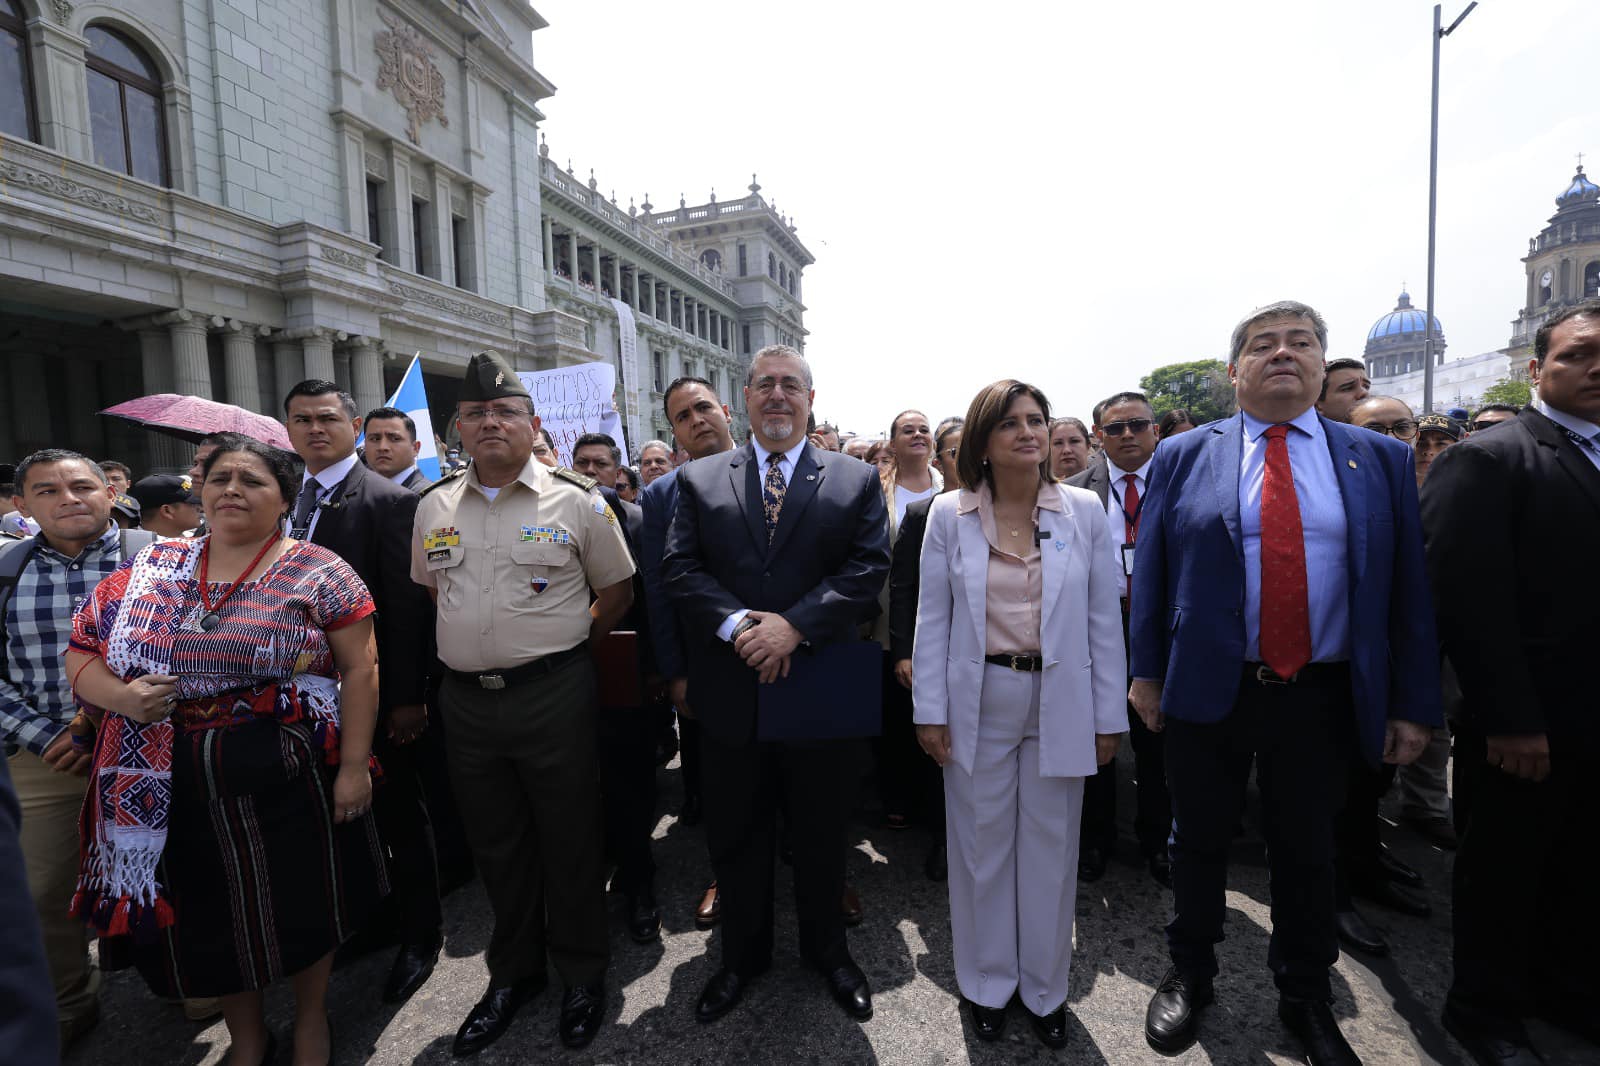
262, 882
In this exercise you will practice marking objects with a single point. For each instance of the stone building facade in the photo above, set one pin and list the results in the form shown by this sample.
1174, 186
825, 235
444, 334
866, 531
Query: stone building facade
221, 197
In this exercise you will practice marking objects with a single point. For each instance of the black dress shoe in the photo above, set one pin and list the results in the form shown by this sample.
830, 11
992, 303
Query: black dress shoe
709, 913
851, 991
1355, 933
492, 1016
1311, 1021
1394, 870
721, 994
1091, 864
936, 867
988, 1023
850, 907
1396, 897
691, 812
1173, 1016
1436, 829
1505, 1045
1052, 1027
582, 1007
644, 917
411, 970
1161, 867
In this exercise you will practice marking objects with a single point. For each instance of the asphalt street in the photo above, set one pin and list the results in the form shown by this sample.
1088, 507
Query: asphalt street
1389, 1008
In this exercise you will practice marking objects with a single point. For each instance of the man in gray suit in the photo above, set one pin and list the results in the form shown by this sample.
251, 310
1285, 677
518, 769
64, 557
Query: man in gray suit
1125, 426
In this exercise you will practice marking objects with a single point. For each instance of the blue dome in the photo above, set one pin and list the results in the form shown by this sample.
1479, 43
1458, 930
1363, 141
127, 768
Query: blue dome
1404, 320
1580, 189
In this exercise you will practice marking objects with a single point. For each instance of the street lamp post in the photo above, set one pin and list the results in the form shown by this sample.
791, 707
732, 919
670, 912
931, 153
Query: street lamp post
1433, 201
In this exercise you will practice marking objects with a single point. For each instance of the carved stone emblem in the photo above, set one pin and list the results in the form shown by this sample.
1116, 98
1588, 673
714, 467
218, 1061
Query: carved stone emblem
406, 68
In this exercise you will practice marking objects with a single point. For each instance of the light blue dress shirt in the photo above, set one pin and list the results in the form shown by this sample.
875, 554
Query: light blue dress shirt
1323, 525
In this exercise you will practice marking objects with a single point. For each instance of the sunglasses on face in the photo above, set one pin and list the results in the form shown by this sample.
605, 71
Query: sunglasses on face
1485, 423
1132, 425
1405, 429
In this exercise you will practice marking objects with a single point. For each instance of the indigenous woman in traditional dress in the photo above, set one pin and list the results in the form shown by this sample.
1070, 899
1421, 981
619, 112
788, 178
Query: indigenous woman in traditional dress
226, 830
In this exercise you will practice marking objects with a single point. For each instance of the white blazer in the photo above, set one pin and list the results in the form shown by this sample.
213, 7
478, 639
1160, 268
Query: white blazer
1085, 683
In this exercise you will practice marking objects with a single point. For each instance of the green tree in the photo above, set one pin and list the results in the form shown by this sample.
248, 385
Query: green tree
1200, 387
1509, 390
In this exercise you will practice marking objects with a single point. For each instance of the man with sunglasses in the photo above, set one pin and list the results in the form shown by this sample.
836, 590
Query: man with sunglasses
1126, 429
1491, 415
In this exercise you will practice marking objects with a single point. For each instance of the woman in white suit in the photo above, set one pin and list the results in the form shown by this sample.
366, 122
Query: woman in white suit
1019, 684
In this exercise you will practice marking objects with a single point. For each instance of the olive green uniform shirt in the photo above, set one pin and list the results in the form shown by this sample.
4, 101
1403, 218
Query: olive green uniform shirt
513, 575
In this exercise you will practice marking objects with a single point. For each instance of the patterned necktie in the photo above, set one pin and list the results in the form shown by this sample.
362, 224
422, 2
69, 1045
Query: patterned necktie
304, 508
1130, 508
772, 490
1285, 609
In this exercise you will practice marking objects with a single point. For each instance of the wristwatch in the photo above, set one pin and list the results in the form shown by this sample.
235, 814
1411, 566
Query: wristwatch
745, 625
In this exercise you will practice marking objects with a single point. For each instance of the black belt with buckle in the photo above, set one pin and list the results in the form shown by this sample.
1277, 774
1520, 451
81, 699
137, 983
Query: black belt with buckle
1309, 674
494, 680
1028, 664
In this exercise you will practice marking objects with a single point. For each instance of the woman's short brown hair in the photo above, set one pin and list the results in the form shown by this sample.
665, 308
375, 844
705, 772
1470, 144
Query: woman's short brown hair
984, 414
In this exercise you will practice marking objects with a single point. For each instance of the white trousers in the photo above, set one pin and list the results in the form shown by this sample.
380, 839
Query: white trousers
1013, 848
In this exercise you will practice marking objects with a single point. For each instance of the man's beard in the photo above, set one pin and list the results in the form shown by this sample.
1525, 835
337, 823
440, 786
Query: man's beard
777, 427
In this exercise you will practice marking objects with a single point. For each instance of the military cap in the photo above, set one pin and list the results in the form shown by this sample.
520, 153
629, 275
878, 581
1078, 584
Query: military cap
159, 489
126, 506
490, 377
1438, 423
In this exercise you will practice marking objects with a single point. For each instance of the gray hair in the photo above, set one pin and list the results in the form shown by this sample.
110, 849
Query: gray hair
663, 445
780, 351
1281, 309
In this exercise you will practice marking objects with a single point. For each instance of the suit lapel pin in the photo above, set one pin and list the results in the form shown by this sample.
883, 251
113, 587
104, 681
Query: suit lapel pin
1061, 545
811, 477
1352, 464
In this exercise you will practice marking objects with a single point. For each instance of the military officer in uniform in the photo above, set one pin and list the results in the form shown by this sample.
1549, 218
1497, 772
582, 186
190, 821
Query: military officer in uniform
526, 564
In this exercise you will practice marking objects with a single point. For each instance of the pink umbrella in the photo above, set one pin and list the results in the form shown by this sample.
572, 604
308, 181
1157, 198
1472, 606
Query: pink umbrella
190, 418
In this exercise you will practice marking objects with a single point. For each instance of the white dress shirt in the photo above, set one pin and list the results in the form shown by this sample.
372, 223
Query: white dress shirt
1115, 520
1573, 424
786, 468
400, 478
330, 479
1323, 528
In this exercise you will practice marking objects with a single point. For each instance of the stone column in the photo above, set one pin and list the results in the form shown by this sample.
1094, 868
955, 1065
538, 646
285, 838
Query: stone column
549, 247
288, 367
444, 236
317, 347
366, 373
341, 369
155, 360
239, 355
594, 251
616, 276
191, 366
572, 255
30, 415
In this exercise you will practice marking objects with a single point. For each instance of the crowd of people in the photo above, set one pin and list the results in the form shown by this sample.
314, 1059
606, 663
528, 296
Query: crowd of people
284, 703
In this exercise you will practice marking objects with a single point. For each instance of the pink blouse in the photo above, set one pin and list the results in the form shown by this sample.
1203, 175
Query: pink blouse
1015, 585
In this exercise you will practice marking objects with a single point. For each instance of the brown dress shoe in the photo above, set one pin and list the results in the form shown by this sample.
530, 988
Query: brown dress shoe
709, 913
850, 907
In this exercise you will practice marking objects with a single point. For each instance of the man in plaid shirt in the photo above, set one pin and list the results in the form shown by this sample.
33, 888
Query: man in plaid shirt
78, 544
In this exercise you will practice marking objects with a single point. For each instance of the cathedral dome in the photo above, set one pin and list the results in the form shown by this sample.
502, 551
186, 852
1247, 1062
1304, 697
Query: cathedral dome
1580, 189
1403, 321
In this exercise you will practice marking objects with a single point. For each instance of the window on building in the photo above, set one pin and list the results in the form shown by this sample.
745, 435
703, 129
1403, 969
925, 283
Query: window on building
421, 245
125, 117
791, 282
16, 84
1591, 281
744, 266
464, 264
772, 265
783, 276
744, 348
711, 259
658, 362
374, 212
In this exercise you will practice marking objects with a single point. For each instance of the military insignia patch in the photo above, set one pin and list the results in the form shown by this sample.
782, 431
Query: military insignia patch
443, 537
539, 584
600, 508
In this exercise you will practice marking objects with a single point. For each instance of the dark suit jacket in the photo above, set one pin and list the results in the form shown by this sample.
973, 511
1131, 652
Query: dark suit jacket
657, 503
27, 1004
905, 578
1187, 624
822, 571
368, 524
1512, 517
417, 481
1095, 478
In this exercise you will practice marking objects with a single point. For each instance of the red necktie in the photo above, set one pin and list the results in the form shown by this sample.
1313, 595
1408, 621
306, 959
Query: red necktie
1285, 614
1130, 508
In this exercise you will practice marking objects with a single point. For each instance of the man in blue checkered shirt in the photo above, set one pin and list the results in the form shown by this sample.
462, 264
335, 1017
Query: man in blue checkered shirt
78, 544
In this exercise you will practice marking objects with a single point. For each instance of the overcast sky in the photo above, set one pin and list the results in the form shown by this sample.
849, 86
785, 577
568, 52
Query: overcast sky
1075, 193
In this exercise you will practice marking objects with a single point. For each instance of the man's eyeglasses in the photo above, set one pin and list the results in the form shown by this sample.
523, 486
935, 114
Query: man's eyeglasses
1405, 429
474, 415
789, 386
1132, 425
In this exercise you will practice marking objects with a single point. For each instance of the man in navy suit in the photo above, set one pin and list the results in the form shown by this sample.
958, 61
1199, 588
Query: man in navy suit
1280, 615
773, 545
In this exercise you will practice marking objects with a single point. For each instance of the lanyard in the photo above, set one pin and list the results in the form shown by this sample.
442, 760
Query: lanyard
1132, 520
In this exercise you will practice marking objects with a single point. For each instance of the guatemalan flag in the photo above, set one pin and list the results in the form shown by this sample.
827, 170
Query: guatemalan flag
411, 398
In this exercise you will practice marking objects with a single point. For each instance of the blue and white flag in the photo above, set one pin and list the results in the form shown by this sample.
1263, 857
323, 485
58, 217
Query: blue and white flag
411, 398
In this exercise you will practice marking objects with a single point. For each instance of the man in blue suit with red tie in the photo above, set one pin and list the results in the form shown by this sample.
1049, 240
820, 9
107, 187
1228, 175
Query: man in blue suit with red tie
1280, 616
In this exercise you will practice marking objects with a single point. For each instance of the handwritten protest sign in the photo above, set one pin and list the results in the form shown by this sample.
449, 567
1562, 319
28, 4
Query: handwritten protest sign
573, 400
